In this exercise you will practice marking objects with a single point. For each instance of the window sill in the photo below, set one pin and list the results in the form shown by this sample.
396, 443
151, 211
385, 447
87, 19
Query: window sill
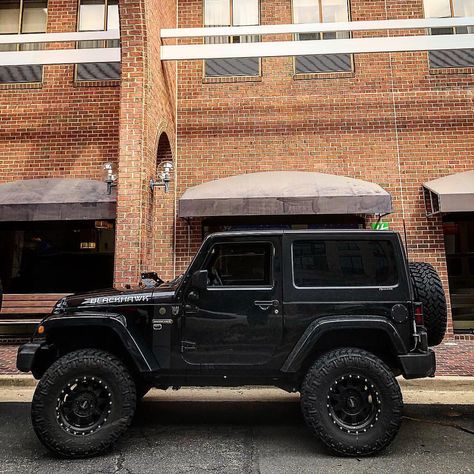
227, 79
323, 75
104, 83
20, 85
451, 70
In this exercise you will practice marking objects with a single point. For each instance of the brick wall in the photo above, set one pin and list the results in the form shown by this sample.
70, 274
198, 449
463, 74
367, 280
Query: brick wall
58, 128
393, 122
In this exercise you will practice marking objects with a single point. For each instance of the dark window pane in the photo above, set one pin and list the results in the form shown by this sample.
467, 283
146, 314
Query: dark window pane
98, 72
10, 74
323, 63
233, 67
453, 58
344, 263
240, 265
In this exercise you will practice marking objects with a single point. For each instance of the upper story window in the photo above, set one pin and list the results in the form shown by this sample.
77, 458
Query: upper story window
232, 13
450, 9
21, 17
321, 11
98, 15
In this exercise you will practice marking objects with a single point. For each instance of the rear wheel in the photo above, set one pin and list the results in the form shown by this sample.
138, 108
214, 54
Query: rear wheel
352, 402
429, 291
83, 403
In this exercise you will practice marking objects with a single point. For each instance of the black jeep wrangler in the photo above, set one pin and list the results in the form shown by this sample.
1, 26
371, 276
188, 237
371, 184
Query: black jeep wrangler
334, 315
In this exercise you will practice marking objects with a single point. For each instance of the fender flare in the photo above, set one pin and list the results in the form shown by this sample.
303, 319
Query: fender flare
323, 326
143, 359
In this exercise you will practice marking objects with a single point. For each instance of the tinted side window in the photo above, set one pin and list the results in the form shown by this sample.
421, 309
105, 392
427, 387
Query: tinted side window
241, 264
344, 263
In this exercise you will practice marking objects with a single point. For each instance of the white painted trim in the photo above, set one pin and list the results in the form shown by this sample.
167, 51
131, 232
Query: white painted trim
60, 37
60, 56
317, 27
301, 48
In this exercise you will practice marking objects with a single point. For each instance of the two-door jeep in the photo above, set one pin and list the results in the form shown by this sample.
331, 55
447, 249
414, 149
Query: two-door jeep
334, 315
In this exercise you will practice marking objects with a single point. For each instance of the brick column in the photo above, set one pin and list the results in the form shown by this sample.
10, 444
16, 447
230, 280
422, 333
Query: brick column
146, 107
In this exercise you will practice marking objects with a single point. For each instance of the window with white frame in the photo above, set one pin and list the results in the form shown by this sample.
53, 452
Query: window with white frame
98, 15
232, 13
321, 11
22, 17
450, 9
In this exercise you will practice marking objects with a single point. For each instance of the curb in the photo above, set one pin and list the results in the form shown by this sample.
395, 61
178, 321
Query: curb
442, 383
17, 381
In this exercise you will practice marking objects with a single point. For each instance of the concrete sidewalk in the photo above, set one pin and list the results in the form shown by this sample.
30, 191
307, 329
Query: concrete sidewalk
439, 390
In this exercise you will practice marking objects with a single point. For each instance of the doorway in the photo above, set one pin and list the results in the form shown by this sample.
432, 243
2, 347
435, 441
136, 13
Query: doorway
459, 244
57, 256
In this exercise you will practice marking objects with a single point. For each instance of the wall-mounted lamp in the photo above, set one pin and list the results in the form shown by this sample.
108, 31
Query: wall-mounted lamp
110, 177
165, 176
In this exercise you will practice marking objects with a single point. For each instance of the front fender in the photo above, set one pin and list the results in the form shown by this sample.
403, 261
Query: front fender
134, 345
322, 327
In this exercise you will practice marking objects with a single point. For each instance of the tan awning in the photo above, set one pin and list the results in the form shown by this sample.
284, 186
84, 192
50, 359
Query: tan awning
283, 193
53, 199
453, 193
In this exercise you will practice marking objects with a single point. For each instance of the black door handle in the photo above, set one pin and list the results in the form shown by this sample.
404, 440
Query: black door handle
264, 305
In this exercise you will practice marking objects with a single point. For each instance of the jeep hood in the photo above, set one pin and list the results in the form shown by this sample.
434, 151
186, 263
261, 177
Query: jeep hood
113, 297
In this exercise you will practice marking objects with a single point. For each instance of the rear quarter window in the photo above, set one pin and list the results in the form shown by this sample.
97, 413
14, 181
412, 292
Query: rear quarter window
344, 263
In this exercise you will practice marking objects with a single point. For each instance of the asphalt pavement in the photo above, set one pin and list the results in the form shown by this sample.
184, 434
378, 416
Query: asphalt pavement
212, 432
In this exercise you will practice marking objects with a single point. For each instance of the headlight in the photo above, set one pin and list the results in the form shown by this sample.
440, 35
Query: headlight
60, 306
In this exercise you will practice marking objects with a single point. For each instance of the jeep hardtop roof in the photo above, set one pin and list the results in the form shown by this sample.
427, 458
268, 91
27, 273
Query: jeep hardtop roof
250, 233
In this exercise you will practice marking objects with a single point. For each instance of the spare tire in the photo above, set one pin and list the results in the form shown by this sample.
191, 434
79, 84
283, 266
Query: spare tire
429, 291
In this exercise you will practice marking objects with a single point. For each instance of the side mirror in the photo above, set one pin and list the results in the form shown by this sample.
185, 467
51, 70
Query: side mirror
199, 280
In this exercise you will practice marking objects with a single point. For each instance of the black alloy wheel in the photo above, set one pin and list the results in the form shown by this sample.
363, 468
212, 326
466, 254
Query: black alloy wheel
84, 405
353, 403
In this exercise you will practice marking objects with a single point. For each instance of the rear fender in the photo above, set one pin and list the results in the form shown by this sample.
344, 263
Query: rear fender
324, 327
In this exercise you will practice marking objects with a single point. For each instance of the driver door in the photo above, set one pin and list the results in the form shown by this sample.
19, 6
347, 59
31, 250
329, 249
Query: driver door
237, 318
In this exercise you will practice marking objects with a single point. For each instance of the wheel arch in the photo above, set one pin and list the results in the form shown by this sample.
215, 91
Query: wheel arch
94, 330
374, 334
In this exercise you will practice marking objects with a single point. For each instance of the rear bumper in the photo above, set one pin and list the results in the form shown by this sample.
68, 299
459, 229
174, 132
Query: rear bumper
417, 365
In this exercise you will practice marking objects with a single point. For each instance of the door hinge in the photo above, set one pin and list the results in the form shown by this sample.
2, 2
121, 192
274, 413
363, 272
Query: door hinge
188, 346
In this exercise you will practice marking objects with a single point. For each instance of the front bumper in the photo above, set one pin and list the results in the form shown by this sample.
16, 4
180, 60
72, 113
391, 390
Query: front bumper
417, 365
30, 353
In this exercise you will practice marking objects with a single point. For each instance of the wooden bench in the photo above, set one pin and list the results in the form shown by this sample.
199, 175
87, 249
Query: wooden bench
37, 304
20, 313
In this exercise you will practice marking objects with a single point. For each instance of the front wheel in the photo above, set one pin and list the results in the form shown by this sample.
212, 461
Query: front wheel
83, 403
352, 402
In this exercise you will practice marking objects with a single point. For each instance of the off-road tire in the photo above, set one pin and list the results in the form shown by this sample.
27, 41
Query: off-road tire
429, 291
315, 390
93, 364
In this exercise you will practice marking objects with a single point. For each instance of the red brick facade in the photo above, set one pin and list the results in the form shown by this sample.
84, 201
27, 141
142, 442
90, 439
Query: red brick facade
392, 121
59, 128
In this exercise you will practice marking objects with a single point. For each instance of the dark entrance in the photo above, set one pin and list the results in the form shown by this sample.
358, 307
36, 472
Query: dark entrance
459, 244
56, 256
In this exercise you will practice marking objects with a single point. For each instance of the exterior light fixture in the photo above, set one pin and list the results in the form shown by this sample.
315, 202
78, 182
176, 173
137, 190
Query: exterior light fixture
110, 177
165, 176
